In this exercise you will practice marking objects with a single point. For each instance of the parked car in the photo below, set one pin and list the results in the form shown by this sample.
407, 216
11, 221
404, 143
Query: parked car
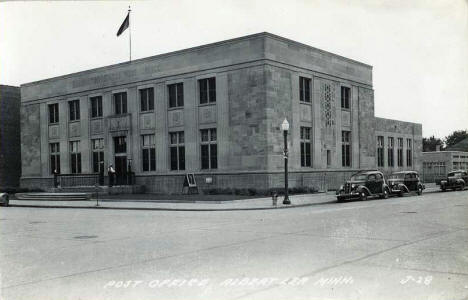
363, 185
405, 182
455, 180
4, 199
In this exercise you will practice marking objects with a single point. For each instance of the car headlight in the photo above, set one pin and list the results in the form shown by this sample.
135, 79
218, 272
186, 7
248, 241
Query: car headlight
353, 186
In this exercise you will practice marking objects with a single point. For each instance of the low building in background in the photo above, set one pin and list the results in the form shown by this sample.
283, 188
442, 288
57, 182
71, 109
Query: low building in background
10, 148
215, 111
437, 164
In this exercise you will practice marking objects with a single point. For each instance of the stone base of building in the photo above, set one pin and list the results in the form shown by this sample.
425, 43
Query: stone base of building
320, 180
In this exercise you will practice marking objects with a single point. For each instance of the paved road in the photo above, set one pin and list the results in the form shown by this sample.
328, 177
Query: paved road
399, 248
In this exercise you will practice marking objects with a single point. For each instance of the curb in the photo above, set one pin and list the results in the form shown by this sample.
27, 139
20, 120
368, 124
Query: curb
175, 209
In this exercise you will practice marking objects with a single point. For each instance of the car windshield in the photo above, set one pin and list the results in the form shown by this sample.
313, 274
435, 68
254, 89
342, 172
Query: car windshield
397, 176
358, 177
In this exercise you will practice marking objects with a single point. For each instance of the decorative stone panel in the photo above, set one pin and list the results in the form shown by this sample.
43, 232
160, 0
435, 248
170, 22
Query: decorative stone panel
119, 123
53, 132
345, 118
147, 121
328, 113
306, 113
207, 114
97, 126
175, 118
74, 129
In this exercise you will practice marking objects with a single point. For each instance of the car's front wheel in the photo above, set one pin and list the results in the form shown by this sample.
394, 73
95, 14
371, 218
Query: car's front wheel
462, 187
363, 196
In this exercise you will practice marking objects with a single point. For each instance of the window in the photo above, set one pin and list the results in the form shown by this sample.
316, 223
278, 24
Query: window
207, 89
346, 148
120, 144
74, 109
97, 146
54, 158
53, 113
147, 99
209, 149
409, 152
176, 95
96, 107
120, 103
177, 150
390, 159
328, 158
304, 89
148, 152
400, 152
305, 147
345, 96
75, 157
380, 151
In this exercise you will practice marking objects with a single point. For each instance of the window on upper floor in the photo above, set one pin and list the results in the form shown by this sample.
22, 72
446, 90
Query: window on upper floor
147, 99
120, 103
304, 89
207, 88
53, 113
96, 107
176, 95
74, 109
345, 97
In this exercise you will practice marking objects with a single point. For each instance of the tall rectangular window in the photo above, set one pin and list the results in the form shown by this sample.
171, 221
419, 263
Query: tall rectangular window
391, 145
75, 157
74, 109
148, 152
147, 99
306, 160
177, 150
120, 103
409, 152
207, 89
346, 148
328, 158
176, 95
53, 113
96, 107
400, 152
209, 149
380, 151
304, 89
120, 144
345, 97
97, 147
54, 157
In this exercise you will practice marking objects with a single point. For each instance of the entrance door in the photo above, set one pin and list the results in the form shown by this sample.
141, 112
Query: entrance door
121, 170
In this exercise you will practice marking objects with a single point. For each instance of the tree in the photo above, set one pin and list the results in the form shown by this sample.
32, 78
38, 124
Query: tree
455, 137
430, 144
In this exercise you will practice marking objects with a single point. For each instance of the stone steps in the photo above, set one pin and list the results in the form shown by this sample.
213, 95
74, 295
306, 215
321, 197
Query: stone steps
53, 196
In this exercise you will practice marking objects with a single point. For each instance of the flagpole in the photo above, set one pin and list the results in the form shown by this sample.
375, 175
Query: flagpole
130, 32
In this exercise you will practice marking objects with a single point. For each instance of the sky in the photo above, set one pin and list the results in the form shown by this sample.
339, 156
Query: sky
418, 49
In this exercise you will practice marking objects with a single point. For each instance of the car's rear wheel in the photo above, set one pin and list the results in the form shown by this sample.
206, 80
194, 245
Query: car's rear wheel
363, 196
420, 190
400, 194
384, 194
443, 188
462, 187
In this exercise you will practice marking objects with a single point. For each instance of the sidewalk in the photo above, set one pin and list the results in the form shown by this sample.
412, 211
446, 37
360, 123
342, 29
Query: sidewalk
244, 204
137, 203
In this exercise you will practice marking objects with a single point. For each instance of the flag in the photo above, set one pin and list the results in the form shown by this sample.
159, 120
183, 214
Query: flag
124, 25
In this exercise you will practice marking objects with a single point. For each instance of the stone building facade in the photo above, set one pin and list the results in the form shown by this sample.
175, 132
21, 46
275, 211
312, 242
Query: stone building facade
10, 159
437, 164
215, 111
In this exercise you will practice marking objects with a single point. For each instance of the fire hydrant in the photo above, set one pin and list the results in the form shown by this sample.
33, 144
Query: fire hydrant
274, 197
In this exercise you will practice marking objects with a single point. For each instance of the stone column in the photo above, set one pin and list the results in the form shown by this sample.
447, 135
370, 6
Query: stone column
162, 156
44, 123
222, 119
192, 161
85, 148
355, 127
106, 112
64, 154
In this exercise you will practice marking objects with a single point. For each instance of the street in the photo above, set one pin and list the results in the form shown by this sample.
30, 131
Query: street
399, 248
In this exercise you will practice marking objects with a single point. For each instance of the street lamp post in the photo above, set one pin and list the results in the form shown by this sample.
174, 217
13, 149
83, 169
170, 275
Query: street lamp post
285, 127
